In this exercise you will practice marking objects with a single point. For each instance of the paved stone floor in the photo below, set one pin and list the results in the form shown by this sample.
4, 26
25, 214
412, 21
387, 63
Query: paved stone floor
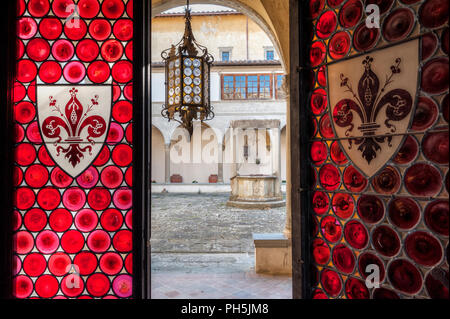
203, 249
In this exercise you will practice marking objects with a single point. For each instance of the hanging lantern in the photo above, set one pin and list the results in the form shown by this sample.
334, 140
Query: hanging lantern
187, 67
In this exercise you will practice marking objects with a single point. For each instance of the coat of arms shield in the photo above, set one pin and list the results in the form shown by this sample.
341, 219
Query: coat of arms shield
372, 100
74, 121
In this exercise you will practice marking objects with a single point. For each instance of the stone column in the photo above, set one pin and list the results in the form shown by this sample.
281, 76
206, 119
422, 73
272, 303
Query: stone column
220, 163
234, 150
288, 227
167, 163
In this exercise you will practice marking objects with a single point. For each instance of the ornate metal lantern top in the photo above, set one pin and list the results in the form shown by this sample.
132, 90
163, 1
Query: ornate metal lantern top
187, 67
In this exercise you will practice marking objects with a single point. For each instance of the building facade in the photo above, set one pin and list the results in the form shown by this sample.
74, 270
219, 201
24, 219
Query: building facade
247, 83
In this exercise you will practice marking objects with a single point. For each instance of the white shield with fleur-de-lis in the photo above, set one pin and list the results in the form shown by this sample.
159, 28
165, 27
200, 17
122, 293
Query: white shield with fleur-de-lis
74, 121
372, 100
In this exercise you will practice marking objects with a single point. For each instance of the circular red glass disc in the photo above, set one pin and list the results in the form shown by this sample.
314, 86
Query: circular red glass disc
122, 198
86, 262
26, 71
122, 111
404, 213
60, 220
72, 241
365, 38
98, 241
350, 13
354, 180
122, 155
111, 263
103, 157
99, 198
343, 258
50, 28
398, 24
122, 71
423, 248
123, 241
23, 286
47, 242
437, 216
87, 50
318, 101
343, 205
74, 72
34, 264
46, 286
383, 293
331, 282
74, 198
337, 155
317, 53
319, 152
339, 45
435, 147
320, 203
50, 72
370, 208
366, 259
25, 154
98, 285
35, 220
329, 176
88, 9
24, 112
331, 228
112, 9
325, 126
123, 286
408, 151
435, 76
58, 263
26, 28
111, 219
75, 30
62, 50
356, 234
321, 251
23, 242
123, 29
111, 176
36, 176
98, 71
63, 8
86, 220
24, 198
433, 13
115, 134
426, 114
100, 29
436, 283
48, 198
88, 178
112, 50
326, 24
356, 289
38, 49
387, 181
422, 180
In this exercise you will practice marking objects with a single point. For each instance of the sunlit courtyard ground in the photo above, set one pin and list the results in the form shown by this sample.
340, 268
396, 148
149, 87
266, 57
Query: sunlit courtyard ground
203, 249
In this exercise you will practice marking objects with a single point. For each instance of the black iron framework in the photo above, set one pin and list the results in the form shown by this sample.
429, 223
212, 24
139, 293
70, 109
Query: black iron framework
187, 70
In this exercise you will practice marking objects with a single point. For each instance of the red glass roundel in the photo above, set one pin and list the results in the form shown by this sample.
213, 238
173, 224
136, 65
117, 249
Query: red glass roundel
63, 8
435, 147
112, 9
350, 13
86, 262
318, 101
329, 177
75, 30
437, 216
122, 71
317, 53
343, 259
58, 262
72, 241
98, 285
325, 126
326, 24
428, 45
60, 220
436, 283
98, 71
62, 50
111, 50
331, 228
321, 251
50, 72
387, 181
100, 29
331, 282
386, 241
88, 8
343, 205
320, 203
368, 259
435, 76
122, 111
50, 28
365, 38
370, 208
74, 72
426, 114
46, 286
319, 152
433, 13
407, 152
111, 219
423, 248
339, 45
35, 220
356, 235
38, 49
404, 212
123, 29
24, 112
111, 263
337, 155
423, 180
398, 24
354, 180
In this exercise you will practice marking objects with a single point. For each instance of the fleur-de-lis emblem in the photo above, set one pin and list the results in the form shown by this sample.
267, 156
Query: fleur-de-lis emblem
367, 103
79, 127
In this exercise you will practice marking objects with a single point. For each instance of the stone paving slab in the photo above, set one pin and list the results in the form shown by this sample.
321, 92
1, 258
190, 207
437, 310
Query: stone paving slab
203, 223
214, 276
